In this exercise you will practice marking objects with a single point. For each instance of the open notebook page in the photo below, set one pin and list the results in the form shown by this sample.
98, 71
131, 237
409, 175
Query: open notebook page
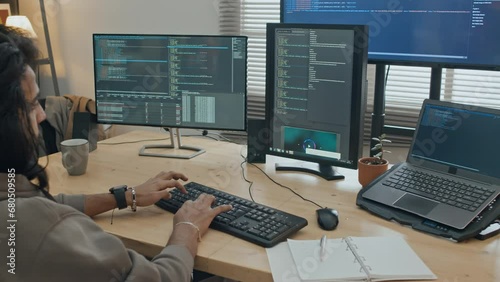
282, 265
390, 258
339, 263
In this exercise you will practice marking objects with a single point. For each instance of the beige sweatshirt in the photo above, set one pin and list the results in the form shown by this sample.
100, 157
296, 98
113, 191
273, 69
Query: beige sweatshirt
57, 242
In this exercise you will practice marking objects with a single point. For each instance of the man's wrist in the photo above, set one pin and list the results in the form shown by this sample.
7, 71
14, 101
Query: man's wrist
119, 192
185, 235
192, 225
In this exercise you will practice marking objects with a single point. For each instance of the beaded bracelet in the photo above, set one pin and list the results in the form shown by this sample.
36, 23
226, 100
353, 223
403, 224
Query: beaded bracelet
192, 224
134, 200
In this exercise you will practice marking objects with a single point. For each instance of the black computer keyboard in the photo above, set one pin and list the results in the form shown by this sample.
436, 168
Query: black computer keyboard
247, 220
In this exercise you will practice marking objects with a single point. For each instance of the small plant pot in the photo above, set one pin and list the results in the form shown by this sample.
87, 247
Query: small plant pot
367, 171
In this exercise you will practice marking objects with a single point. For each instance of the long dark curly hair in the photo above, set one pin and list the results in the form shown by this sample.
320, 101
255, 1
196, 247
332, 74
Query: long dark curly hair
18, 141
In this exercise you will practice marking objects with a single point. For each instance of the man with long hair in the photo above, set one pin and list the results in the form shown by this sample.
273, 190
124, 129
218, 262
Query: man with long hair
55, 237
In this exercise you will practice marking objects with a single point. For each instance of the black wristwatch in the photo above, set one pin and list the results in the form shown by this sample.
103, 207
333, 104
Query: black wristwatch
119, 193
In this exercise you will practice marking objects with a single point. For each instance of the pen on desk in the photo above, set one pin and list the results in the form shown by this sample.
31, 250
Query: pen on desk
322, 244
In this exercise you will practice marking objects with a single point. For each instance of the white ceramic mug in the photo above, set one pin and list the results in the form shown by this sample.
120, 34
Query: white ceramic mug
75, 155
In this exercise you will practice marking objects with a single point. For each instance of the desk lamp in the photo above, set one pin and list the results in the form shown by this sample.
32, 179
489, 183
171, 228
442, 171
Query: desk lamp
24, 23
21, 22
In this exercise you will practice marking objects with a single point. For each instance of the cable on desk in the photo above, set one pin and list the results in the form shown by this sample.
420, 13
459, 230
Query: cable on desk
248, 181
206, 133
223, 137
220, 136
136, 141
275, 182
200, 135
243, 174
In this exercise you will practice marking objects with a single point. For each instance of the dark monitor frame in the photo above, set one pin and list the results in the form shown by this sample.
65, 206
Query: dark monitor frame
244, 125
437, 64
171, 127
324, 168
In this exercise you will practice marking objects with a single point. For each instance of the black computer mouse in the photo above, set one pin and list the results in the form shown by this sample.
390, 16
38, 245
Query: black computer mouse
328, 219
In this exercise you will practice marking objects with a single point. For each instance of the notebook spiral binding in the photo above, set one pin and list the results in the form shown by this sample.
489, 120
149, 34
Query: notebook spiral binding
359, 259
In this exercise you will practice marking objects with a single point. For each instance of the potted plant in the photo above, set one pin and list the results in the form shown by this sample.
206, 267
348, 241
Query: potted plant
370, 168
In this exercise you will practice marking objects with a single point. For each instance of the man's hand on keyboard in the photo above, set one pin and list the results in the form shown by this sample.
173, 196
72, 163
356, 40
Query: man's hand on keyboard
200, 212
193, 217
155, 188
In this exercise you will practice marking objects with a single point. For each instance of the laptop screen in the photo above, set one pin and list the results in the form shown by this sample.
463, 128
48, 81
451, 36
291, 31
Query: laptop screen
459, 136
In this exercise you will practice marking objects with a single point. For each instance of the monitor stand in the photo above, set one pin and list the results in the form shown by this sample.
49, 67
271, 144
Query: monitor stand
328, 172
197, 152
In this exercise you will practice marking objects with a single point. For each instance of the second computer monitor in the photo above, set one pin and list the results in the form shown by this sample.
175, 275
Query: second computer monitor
316, 94
189, 81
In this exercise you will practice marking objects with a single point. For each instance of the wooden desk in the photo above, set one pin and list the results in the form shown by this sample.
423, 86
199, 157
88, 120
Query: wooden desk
147, 230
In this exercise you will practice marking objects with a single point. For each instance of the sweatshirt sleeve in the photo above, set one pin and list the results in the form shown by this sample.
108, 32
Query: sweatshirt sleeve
75, 201
81, 251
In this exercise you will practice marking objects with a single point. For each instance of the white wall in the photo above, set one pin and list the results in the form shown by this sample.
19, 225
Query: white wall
72, 23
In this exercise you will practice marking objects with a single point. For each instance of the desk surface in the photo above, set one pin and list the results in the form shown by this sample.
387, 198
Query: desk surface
147, 230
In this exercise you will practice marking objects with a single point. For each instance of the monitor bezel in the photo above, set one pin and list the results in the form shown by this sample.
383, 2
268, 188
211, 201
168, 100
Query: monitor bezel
244, 128
358, 97
414, 63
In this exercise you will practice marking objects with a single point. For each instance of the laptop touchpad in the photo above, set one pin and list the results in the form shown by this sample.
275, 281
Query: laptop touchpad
415, 204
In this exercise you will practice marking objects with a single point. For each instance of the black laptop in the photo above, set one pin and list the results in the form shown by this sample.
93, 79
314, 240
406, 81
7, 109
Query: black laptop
452, 171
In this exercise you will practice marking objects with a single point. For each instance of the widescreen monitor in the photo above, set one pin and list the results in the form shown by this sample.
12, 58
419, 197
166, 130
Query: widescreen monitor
448, 33
316, 95
173, 81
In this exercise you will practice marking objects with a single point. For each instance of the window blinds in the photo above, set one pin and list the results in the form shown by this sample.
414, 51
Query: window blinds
251, 21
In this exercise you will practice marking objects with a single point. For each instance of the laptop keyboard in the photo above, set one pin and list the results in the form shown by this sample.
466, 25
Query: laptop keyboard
440, 189
247, 220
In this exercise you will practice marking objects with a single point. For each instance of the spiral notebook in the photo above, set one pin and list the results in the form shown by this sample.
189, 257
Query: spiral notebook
347, 259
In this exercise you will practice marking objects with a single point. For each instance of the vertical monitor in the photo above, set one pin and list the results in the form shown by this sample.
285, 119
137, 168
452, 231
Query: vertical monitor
316, 95
188, 81
447, 33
